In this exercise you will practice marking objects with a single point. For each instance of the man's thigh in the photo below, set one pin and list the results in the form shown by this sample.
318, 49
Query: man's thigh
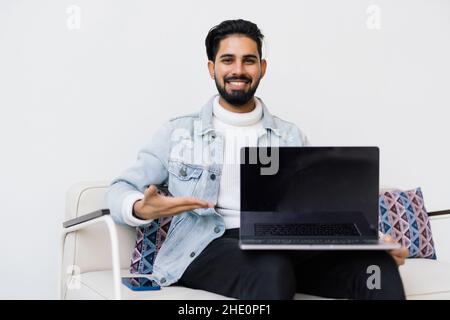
224, 268
348, 274
215, 266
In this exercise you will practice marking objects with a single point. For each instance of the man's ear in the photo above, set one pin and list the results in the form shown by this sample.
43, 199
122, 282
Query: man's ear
211, 69
263, 67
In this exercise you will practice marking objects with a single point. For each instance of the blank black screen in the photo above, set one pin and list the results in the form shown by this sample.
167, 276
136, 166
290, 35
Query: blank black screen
310, 179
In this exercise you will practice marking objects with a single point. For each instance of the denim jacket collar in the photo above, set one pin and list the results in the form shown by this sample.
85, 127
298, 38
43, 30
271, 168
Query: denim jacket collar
206, 115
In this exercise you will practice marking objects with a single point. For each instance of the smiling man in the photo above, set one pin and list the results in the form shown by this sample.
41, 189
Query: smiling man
201, 249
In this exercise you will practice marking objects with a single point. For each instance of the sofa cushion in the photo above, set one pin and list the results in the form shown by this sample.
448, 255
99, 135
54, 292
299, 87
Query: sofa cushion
403, 216
99, 285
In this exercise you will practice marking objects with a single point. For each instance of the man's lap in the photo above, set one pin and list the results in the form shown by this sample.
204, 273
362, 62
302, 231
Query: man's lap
223, 267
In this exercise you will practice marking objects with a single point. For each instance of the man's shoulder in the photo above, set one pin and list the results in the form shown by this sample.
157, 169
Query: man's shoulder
185, 121
193, 116
184, 117
291, 131
284, 124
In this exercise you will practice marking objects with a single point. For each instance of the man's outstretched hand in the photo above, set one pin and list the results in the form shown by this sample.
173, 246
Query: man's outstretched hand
399, 255
155, 205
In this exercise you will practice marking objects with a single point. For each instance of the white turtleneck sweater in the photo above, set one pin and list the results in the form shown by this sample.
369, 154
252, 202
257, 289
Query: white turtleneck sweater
239, 130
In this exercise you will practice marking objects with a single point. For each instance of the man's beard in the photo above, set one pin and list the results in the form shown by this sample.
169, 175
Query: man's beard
237, 97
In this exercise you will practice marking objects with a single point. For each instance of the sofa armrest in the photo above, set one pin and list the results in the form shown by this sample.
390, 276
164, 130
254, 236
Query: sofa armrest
85, 218
439, 213
96, 217
440, 227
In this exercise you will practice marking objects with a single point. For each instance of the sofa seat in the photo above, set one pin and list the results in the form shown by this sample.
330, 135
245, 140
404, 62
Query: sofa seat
425, 279
98, 285
422, 278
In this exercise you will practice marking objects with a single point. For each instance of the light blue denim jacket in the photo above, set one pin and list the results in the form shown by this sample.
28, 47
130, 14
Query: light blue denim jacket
187, 154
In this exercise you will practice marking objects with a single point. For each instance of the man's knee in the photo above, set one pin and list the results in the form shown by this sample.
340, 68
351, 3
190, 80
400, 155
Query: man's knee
382, 262
377, 277
272, 277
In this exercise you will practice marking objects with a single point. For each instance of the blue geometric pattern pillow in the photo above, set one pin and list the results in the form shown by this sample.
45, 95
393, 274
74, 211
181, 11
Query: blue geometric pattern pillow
403, 216
148, 242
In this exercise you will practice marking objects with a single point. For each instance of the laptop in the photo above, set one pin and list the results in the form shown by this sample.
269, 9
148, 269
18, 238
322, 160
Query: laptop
310, 198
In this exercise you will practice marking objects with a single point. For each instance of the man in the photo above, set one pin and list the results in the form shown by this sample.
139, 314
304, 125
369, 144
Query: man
196, 156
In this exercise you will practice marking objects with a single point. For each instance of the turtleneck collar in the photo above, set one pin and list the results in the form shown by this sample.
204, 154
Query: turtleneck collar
237, 119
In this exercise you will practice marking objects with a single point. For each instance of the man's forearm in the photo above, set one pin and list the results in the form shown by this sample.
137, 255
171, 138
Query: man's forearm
121, 197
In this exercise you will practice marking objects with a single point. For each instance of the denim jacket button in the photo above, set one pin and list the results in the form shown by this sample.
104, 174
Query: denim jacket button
163, 280
216, 229
183, 172
213, 176
192, 254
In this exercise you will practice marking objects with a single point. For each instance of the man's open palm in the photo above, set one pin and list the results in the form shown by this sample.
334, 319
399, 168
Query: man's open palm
155, 205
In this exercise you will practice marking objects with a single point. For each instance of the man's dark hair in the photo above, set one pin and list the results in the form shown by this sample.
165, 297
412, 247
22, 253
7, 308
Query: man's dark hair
228, 27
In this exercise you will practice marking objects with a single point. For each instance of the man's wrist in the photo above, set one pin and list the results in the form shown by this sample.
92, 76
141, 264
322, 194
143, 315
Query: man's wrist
134, 211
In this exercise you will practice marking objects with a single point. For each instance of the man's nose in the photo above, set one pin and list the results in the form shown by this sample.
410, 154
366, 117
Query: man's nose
238, 68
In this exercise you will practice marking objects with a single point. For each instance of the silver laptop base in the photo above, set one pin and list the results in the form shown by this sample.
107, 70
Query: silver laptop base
381, 245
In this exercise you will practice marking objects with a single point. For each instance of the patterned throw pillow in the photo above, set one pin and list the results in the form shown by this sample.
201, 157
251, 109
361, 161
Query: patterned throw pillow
148, 242
403, 216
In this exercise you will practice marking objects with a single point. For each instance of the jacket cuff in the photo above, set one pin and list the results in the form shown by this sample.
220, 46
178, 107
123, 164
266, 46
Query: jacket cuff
127, 210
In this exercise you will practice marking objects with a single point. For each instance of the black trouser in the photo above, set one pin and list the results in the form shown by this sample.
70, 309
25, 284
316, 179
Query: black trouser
225, 269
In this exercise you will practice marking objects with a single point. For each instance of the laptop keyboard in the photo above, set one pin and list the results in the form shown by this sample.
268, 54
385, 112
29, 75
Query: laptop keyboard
306, 230
310, 241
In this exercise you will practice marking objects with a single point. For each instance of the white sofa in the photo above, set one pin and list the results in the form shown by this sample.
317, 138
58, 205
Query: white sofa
95, 254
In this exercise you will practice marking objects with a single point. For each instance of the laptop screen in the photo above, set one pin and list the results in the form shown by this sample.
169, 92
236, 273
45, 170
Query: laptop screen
310, 185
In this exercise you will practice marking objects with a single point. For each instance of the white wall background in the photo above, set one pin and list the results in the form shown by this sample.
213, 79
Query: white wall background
77, 104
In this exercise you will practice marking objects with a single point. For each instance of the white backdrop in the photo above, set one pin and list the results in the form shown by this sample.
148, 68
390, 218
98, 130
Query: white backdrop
83, 84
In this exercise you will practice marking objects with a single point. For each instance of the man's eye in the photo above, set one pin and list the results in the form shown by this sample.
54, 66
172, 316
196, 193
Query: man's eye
226, 60
251, 61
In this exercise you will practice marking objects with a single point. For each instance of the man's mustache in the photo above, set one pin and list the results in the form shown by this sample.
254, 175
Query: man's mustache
237, 78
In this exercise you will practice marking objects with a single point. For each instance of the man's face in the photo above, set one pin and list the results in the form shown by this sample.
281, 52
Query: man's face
237, 70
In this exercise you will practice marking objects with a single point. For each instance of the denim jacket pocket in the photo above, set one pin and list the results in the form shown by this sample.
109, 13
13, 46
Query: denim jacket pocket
183, 177
184, 171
